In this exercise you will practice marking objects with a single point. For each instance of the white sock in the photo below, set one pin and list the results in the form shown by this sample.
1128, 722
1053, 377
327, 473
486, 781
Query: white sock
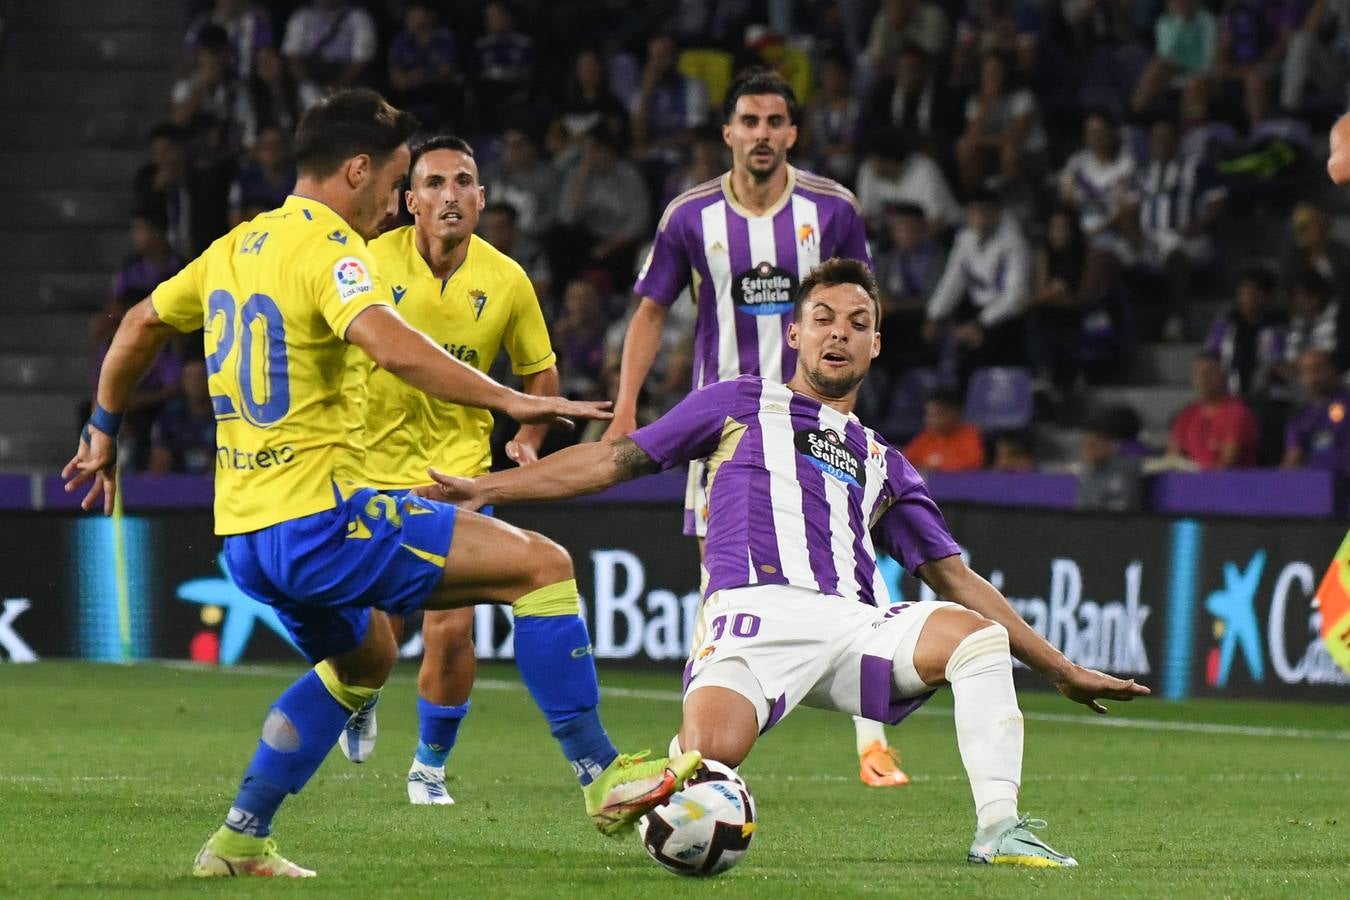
868, 732
988, 722
674, 747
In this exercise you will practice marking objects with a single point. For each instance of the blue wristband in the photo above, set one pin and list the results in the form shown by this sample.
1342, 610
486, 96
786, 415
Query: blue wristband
105, 421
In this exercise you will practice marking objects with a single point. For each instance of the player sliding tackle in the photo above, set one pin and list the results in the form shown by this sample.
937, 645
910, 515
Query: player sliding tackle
796, 611
279, 297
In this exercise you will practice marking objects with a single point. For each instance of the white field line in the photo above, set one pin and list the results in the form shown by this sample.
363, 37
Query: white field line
1092, 721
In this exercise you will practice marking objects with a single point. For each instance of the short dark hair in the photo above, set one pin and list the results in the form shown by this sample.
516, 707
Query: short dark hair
983, 196
349, 123
1260, 276
906, 210
168, 131
502, 207
948, 397
1310, 281
438, 142
154, 216
1018, 439
837, 271
759, 80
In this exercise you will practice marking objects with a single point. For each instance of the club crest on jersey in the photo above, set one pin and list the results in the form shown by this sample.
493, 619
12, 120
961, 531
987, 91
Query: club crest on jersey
825, 449
765, 290
352, 278
806, 236
478, 300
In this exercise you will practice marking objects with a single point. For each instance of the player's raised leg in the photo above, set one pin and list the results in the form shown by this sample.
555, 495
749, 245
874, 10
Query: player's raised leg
972, 654
495, 562
443, 685
296, 736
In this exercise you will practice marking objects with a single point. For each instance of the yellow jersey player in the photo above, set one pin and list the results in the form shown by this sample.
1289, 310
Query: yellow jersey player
279, 298
472, 300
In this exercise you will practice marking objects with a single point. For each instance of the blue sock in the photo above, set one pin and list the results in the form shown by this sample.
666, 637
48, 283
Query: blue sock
300, 729
557, 665
440, 727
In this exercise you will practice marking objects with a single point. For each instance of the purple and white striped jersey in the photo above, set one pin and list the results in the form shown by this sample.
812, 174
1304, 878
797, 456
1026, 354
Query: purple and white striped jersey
745, 269
795, 488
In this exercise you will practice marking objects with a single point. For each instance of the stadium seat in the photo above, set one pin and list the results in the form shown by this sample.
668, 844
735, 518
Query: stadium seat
999, 398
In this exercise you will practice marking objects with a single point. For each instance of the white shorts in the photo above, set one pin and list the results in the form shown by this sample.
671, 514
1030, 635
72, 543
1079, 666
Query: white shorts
779, 646
696, 499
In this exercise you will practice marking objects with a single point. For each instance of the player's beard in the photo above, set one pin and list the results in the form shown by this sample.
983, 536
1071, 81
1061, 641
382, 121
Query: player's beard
835, 387
762, 174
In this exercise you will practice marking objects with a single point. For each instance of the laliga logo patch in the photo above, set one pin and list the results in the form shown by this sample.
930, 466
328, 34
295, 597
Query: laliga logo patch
765, 290
826, 450
352, 278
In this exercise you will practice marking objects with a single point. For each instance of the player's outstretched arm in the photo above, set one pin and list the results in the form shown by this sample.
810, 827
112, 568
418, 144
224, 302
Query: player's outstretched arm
138, 341
577, 470
408, 353
953, 580
640, 344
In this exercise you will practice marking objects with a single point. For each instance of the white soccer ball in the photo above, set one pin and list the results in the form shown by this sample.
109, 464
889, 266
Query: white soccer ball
706, 828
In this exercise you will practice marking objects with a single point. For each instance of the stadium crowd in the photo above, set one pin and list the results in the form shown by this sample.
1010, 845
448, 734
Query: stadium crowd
1045, 185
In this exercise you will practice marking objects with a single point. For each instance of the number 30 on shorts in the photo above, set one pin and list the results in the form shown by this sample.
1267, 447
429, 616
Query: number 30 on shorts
743, 625
275, 400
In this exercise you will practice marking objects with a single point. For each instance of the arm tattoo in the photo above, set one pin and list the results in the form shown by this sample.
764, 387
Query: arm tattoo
631, 461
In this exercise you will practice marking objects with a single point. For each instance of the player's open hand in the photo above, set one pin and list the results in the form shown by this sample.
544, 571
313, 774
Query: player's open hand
95, 464
529, 409
1088, 686
463, 492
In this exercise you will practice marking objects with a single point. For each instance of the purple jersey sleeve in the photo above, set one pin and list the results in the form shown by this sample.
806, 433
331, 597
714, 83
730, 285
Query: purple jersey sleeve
692, 429
666, 272
853, 244
913, 528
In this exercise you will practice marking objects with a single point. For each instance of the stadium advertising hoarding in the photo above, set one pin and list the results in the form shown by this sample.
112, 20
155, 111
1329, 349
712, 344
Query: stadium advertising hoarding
1217, 608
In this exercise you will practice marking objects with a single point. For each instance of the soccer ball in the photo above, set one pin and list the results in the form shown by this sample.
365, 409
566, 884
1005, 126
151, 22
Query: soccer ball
706, 828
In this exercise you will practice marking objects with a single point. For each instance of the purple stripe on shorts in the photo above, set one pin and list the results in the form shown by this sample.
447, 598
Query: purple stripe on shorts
687, 676
775, 712
875, 687
815, 508
747, 327
785, 246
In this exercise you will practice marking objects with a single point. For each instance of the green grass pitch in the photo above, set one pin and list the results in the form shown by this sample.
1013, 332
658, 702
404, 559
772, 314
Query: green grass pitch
112, 776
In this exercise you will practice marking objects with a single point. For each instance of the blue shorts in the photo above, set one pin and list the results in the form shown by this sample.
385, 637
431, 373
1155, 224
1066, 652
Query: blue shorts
323, 573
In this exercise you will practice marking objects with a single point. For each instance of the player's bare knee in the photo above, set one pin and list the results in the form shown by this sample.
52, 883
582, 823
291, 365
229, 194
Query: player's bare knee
549, 562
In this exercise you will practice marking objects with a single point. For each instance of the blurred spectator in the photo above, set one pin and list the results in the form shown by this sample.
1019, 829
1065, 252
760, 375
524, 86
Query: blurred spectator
1004, 26
946, 443
1014, 451
831, 121
1003, 136
505, 67
1248, 337
1121, 423
183, 436
1319, 51
912, 101
329, 44
579, 338
603, 213
894, 172
497, 224
1319, 435
1314, 313
520, 180
247, 26
1313, 249
1109, 480
980, 304
151, 261
1185, 39
907, 273
1098, 179
667, 105
158, 386
707, 161
424, 67
1178, 201
211, 95
265, 178
191, 200
899, 22
272, 98
589, 103
1253, 37
1216, 430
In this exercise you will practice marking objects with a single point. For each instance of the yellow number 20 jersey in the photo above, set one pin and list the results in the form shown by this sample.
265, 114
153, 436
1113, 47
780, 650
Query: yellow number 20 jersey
275, 296
486, 303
